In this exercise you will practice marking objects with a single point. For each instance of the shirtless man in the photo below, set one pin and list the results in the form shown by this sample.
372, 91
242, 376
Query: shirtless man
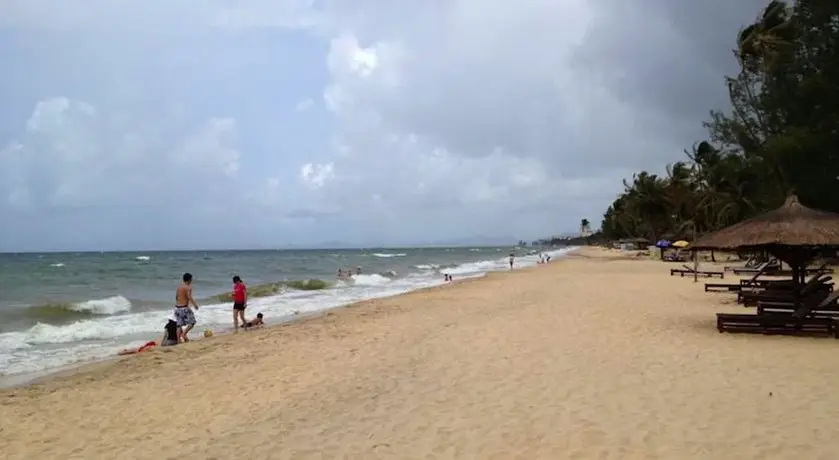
183, 314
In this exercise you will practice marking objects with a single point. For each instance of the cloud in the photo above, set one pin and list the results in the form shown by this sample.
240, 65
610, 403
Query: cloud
78, 167
161, 15
440, 119
71, 155
304, 105
534, 109
316, 175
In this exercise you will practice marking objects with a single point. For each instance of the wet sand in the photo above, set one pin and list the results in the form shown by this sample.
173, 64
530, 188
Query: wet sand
594, 356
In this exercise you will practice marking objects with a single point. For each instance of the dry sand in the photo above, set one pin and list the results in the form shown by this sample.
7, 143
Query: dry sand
591, 357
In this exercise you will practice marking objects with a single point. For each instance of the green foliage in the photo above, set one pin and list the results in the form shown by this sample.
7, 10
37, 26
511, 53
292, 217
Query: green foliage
780, 135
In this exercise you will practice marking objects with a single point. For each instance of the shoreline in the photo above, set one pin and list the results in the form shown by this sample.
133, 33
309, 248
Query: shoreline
596, 355
15, 381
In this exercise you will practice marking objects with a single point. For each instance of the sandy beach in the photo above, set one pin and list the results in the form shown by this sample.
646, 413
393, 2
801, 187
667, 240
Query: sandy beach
596, 356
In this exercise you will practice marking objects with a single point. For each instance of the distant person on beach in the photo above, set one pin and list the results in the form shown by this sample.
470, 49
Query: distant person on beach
512, 259
358, 270
240, 301
256, 322
183, 314
170, 334
547, 259
340, 273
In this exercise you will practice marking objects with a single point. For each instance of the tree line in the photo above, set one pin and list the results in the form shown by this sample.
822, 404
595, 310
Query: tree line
780, 135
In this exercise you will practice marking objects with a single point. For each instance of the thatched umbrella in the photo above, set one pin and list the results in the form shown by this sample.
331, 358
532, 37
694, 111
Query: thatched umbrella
793, 233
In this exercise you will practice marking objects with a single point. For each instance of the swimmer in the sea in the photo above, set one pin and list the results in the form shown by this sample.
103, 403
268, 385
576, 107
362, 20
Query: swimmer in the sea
256, 322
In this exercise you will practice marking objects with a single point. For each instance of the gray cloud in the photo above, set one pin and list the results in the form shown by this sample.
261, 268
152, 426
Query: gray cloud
445, 119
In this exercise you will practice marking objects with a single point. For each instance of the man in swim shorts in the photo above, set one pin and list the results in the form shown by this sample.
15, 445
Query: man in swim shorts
240, 300
183, 314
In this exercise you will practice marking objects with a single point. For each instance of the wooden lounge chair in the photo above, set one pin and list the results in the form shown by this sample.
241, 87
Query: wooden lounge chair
773, 266
831, 310
801, 321
750, 263
727, 287
689, 271
783, 288
785, 292
824, 269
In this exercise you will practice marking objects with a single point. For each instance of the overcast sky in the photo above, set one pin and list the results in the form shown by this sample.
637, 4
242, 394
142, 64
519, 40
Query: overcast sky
195, 124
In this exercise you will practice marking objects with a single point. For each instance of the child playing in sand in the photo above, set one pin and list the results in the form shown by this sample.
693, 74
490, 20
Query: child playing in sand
256, 322
170, 334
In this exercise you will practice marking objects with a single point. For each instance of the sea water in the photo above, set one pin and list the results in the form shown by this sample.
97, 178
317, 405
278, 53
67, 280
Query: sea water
60, 309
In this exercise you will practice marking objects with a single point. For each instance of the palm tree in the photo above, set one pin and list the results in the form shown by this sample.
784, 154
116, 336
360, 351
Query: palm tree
760, 43
585, 227
647, 200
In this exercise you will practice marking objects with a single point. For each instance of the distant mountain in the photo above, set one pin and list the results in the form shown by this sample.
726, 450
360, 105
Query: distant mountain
455, 242
477, 241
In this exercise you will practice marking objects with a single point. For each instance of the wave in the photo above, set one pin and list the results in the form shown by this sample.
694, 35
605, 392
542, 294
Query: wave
434, 267
388, 255
142, 258
68, 311
369, 280
57, 265
270, 289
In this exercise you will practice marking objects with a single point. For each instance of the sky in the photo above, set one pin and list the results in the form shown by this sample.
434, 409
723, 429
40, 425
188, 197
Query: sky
186, 124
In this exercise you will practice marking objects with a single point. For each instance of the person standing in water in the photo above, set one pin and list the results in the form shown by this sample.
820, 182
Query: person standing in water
183, 313
240, 300
512, 259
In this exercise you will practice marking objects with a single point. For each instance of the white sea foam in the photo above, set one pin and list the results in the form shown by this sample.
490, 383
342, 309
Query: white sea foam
142, 258
427, 266
388, 255
44, 346
107, 306
57, 265
370, 280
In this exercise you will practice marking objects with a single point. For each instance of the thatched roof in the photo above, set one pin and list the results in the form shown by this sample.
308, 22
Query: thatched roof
793, 224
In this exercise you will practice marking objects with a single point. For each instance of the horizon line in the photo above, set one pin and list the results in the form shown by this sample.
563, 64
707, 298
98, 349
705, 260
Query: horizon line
287, 248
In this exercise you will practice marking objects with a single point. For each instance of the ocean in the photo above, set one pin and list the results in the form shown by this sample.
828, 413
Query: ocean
61, 309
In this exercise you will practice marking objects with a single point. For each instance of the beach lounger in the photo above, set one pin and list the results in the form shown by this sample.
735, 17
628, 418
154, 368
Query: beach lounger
757, 286
767, 267
774, 308
824, 269
689, 271
727, 287
750, 263
778, 294
806, 319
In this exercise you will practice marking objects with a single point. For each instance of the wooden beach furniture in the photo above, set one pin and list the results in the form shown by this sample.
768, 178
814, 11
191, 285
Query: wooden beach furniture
689, 271
784, 291
729, 287
752, 262
811, 317
773, 266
